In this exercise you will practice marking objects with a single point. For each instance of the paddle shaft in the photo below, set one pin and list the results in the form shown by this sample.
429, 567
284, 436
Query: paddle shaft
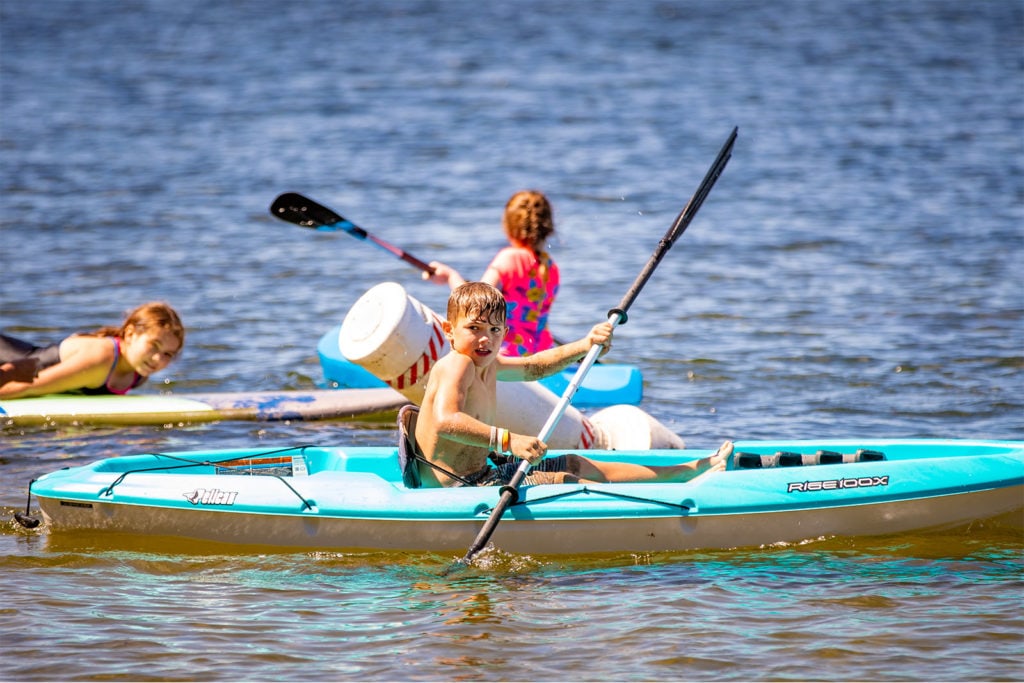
304, 212
616, 316
359, 233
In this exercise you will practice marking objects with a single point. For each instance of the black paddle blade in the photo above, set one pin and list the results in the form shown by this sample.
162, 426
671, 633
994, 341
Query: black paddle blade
690, 210
300, 210
26, 520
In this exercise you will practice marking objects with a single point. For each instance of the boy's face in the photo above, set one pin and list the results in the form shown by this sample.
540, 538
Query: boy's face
476, 337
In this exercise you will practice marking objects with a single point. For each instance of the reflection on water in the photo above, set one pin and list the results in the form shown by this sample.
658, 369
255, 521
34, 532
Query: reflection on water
830, 602
786, 609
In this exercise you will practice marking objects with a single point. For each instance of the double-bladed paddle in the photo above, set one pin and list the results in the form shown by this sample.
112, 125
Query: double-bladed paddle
616, 316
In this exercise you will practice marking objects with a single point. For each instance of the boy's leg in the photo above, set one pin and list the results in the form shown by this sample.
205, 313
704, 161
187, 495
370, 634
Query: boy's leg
596, 471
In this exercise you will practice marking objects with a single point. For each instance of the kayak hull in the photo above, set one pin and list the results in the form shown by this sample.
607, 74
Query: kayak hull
555, 537
353, 499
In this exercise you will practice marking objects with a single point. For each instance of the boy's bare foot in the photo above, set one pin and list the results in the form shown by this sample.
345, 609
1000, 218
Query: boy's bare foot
716, 462
720, 460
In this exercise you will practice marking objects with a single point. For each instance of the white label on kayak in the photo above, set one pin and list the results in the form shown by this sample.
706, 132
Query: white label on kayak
299, 466
832, 484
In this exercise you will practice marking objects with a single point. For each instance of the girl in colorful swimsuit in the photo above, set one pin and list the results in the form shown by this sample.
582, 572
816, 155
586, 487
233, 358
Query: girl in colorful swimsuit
111, 360
523, 272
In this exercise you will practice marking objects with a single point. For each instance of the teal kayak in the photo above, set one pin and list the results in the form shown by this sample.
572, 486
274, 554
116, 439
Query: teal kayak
605, 384
355, 498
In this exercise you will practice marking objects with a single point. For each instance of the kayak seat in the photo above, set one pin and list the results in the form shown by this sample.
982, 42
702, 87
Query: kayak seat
409, 455
408, 452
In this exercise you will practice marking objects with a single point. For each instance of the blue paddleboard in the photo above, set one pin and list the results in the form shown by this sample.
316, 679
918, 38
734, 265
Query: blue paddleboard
606, 384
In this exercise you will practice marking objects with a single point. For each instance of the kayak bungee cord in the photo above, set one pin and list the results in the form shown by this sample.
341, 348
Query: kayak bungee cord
26, 520
192, 463
597, 492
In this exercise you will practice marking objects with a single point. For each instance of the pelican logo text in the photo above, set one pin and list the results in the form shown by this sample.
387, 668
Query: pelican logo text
832, 484
211, 497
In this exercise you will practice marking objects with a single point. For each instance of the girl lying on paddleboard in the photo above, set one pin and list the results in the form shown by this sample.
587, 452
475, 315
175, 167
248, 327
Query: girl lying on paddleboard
111, 360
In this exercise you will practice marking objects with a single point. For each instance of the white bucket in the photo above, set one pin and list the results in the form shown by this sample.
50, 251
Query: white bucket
394, 337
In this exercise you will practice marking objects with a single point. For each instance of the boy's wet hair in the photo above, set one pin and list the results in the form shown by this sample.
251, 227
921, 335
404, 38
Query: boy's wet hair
476, 300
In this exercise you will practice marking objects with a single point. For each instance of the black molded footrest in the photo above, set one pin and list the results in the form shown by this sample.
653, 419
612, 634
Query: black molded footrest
754, 461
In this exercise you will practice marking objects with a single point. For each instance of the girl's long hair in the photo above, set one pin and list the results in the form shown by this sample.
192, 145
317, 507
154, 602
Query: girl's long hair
154, 315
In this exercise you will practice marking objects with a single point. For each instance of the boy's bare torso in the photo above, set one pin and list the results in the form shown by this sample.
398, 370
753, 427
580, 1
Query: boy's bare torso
456, 373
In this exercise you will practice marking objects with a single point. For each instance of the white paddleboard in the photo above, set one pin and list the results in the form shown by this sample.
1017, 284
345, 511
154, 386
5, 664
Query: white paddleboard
158, 409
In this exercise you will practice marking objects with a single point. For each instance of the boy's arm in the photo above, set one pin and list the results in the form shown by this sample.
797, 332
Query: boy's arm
550, 361
443, 275
453, 377
453, 422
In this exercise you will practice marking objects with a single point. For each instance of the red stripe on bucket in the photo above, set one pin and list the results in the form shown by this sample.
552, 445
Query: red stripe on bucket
421, 366
587, 435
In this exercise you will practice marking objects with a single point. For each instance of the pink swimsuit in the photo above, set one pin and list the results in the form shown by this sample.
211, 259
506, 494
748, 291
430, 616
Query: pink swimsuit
529, 297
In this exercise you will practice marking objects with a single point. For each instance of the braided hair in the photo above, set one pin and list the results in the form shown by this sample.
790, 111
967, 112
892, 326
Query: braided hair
529, 220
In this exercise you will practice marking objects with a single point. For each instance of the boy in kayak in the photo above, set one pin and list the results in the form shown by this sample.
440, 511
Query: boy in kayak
111, 360
455, 427
523, 271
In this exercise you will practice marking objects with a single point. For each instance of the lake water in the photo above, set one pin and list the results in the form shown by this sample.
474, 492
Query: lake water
856, 271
